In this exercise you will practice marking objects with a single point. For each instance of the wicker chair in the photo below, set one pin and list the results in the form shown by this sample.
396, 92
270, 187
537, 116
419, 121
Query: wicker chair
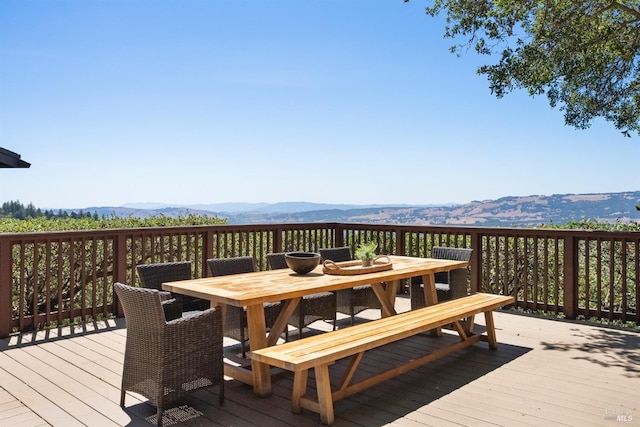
166, 360
152, 276
450, 284
320, 306
354, 300
235, 322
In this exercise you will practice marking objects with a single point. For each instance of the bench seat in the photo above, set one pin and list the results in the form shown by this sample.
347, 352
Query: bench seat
322, 350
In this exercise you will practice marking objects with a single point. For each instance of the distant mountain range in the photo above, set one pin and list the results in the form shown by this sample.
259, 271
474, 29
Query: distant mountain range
516, 211
281, 207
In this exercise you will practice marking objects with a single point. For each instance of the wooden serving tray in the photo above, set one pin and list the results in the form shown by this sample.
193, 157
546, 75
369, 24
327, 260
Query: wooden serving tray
347, 268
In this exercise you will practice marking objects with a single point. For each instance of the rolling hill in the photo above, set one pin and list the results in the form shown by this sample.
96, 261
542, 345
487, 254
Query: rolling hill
508, 211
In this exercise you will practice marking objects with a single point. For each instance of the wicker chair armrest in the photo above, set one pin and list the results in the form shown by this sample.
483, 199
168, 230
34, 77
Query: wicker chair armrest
200, 319
172, 309
201, 330
164, 295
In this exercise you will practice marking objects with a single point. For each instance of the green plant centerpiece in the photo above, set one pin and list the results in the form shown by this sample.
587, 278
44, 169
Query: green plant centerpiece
366, 252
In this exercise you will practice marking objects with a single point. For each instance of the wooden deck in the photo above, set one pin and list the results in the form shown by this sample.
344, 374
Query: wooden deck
545, 372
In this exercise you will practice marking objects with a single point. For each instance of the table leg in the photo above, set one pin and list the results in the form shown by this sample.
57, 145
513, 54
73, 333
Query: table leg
258, 339
387, 302
288, 307
392, 290
431, 296
223, 311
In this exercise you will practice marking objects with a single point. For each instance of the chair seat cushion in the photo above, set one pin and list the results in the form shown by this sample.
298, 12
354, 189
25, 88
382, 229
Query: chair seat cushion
318, 295
442, 287
439, 287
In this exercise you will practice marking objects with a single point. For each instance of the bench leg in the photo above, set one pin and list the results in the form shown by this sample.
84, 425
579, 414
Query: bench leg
299, 389
491, 330
459, 327
325, 399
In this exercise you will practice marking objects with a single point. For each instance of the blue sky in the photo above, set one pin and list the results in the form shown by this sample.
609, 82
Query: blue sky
326, 101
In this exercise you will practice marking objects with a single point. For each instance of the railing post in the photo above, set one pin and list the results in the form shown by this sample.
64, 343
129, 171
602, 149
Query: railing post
119, 268
277, 239
120, 258
570, 277
476, 261
400, 242
207, 250
338, 237
6, 297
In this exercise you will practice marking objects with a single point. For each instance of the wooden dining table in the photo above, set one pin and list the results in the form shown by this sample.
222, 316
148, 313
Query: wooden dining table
252, 290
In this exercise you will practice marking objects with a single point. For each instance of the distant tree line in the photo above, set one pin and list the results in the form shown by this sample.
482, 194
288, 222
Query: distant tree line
15, 209
17, 218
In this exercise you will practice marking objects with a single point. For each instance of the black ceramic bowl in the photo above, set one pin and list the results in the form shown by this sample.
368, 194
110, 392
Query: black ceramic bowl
302, 262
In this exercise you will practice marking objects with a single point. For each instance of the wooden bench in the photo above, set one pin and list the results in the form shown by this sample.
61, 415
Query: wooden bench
320, 351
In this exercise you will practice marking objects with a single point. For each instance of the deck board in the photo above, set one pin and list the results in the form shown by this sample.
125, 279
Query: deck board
545, 372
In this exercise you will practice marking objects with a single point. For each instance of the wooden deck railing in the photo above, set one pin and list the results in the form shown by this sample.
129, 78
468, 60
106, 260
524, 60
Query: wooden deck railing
60, 277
